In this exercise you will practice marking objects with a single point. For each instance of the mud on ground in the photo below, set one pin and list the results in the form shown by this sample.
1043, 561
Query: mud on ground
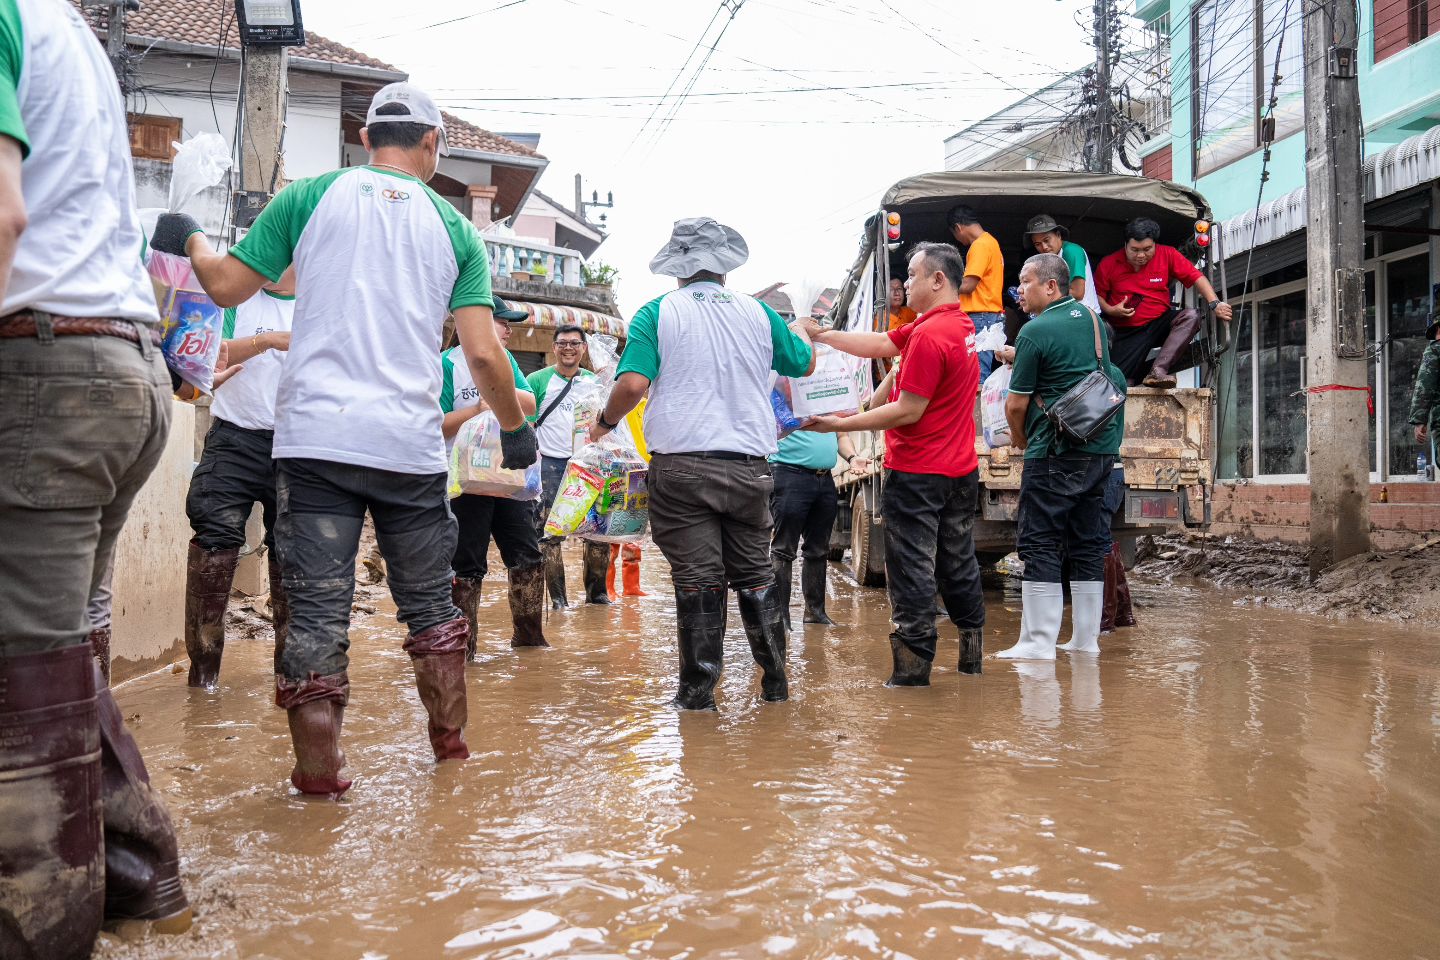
1403, 586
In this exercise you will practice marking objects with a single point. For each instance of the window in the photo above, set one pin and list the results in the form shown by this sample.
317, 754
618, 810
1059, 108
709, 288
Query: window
1233, 51
151, 137
1401, 23
1281, 348
1235, 402
1407, 307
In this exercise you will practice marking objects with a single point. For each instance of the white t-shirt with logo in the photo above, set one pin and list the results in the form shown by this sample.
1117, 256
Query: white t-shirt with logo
247, 399
556, 435
380, 260
457, 386
80, 253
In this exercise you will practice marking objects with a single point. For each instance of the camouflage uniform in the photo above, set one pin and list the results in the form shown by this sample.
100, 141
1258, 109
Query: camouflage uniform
1427, 386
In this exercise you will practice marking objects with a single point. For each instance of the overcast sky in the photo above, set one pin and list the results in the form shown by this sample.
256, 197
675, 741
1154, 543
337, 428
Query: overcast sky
754, 145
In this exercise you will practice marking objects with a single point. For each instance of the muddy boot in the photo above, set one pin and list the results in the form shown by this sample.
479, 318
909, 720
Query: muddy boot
527, 606
52, 892
1124, 607
279, 609
1112, 592
1043, 609
143, 893
630, 565
812, 586
972, 650
909, 669
554, 574
700, 622
761, 613
784, 583
99, 640
1182, 331
597, 561
438, 654
1087, 602
208, 575
465, 594
610, 573
316, 710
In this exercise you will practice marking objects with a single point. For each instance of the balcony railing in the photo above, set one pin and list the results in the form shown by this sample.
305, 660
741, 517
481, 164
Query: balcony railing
510, 255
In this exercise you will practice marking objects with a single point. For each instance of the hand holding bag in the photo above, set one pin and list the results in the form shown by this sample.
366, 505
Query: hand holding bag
1083, 411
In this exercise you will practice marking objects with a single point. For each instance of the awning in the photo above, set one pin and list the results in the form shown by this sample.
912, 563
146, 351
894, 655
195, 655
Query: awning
550, 315
1410, 163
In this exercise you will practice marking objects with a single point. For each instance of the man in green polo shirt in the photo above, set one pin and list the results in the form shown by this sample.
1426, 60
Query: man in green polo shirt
1062, 489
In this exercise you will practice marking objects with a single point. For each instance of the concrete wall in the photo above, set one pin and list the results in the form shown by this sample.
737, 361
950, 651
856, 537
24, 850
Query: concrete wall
1281, 511
149, 580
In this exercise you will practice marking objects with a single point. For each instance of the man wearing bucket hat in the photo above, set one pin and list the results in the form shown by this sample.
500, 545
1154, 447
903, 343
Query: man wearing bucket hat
705, 353
1047, 236
380, 260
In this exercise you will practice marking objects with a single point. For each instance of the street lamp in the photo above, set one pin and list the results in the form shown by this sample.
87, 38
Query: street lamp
270, 23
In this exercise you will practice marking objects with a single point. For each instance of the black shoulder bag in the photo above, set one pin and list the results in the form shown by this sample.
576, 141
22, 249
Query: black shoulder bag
1083, 411
558, 400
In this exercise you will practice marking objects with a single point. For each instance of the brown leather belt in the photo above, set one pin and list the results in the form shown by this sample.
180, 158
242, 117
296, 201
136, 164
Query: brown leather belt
23, 324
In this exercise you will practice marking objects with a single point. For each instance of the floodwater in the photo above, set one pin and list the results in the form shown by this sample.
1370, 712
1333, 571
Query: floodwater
1223, 782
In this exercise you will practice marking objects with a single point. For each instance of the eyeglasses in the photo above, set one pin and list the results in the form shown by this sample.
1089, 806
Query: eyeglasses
568, 344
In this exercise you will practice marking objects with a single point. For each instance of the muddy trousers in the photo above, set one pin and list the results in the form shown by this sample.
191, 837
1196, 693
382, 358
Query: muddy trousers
1063, 517
235, 473
512, 525
320, 509
930, 549
83, 422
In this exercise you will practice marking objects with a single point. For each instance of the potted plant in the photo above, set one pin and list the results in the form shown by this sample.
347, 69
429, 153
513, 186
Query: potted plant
599, 275
538, 272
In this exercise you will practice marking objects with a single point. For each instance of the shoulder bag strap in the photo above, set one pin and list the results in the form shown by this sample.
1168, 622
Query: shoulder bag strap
558, 400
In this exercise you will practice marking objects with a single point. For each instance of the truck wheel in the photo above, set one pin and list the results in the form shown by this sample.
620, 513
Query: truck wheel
867, 546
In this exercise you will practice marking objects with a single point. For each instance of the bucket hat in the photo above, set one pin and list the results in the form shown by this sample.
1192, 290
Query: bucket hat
508, 312
697, 244
1044, 223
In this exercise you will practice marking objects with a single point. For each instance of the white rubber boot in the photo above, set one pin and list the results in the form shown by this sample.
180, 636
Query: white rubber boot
1043, 608
1087, 608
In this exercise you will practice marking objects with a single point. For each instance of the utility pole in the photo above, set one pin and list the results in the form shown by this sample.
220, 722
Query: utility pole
265, 76
115, 11
1104, 97
1335, 347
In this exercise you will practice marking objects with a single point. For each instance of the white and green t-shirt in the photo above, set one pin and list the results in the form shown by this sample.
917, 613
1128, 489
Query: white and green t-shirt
380, 260
1079, 263
457, 386
708, 353
247, 399
80, 253
557, 434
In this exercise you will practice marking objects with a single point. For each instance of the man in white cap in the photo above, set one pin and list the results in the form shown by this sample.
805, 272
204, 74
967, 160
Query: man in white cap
380, 260
705, 355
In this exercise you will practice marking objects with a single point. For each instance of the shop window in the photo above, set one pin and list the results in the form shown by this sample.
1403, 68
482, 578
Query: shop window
1400, 24
151, 137
1235, 404
1373, 370
1281, 326
1408, 305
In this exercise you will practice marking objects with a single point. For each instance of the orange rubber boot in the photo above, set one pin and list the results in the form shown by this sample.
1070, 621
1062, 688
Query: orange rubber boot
630, 554
610, 572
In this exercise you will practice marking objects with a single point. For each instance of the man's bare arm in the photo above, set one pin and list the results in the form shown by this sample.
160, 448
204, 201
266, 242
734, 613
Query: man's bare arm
226, 280
13, 218
489, 366
857, 343
1016, 406
903, 412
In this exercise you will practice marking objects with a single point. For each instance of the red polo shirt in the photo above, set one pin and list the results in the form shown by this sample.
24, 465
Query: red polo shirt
1148, 289
938, 362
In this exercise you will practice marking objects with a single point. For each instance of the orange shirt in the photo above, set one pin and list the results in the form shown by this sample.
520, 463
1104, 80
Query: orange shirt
898, 318
983, 260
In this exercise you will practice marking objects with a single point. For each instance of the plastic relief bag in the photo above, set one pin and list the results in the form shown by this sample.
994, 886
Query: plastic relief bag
590, 393
992, 406
991, 338
834, 389
190, 322
604, 495
475, 464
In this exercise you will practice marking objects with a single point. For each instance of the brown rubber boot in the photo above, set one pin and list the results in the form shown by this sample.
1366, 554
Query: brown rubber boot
630, 560
597, 561
279, 609
554, 573
972, 650
100, 645
143, 893
1182, 331
527, 606
465, 594
52, 861
208, 576
910, 669
316, 710
438, 654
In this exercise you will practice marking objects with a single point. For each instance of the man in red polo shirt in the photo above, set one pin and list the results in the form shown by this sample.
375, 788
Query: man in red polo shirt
1134, 289
932, 477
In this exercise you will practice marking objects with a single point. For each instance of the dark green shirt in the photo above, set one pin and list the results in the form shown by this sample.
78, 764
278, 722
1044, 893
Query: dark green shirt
1055, 351
1427, 386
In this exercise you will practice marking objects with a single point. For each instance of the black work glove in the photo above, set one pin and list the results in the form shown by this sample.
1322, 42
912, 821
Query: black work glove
171, 232
519, 448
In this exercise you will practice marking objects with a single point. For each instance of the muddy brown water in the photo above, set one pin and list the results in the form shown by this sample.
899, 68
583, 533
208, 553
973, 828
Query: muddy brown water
1223, 782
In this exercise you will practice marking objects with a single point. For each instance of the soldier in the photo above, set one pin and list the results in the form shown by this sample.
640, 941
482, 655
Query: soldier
1427, 386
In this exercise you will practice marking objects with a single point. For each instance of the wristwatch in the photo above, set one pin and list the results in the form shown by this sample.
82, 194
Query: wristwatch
1215, 303
600, 419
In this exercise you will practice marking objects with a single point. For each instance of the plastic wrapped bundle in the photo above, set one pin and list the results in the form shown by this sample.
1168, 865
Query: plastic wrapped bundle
579, 489
992, 407
190, 323
603, 495
591, 393
832, 390
475, 464
786, 422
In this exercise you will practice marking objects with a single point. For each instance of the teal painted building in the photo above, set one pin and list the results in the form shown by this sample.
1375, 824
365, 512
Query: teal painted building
1224, 56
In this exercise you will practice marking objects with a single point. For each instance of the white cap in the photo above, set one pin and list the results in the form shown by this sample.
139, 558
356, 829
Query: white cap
419, 109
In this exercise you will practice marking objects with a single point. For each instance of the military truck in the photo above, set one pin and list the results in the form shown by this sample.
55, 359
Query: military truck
1168, 451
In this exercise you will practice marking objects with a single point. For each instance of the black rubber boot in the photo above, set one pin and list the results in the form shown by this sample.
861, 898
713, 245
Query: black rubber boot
760, 612
52, 891
465, 594
972, 650
316, 710
597, 564
527, 603
554, 573
208, 576
812, 586
784, 581
279, 609
142, 860
910, 669
700, 619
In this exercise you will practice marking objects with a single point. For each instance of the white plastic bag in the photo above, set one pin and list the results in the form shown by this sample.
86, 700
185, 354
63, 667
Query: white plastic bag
992, 405
475, 464
590, 393
200, 163
833, 389
991, 338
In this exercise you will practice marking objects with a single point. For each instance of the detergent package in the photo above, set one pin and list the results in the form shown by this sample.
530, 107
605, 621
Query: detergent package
579, 489
190, 323
621, 513
992, 407
475, 462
